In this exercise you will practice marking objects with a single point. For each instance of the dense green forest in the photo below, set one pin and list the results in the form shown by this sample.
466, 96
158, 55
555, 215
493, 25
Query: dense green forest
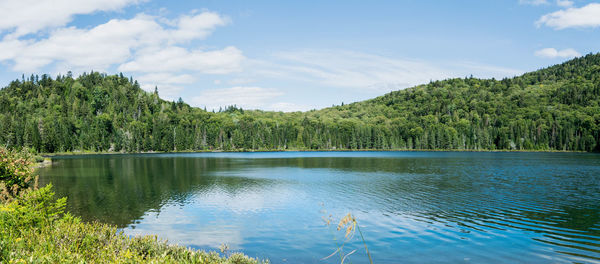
556, 108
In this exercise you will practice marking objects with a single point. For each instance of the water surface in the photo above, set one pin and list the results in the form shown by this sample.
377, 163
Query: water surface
412, 207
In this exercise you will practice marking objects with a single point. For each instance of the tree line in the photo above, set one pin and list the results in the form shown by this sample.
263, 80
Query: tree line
556, 108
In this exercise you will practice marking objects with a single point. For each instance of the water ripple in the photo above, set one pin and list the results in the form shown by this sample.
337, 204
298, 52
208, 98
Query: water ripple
413, 207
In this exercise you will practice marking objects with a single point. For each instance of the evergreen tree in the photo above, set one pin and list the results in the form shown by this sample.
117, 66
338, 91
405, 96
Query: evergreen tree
557, 108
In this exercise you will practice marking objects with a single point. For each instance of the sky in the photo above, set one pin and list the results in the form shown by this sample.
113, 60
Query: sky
291, 55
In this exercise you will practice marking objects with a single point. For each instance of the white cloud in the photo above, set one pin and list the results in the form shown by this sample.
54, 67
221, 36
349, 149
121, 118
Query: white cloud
198, 26
95, 48
564, 3
289, 107
554, 53
21, 17
169, 85
240, 81
561, 3
533, 2
166, 91
586, 16
346, 69
246, 98
116, 42
176, 59
168, 78
480, 70
242, 96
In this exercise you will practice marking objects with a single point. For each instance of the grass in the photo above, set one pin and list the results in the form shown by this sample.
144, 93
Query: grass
34, 228
349, 225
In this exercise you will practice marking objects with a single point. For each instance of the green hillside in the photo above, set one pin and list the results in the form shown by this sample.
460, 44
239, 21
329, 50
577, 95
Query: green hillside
557, 108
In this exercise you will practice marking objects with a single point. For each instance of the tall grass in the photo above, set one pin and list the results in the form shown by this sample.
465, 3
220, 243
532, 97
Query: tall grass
349, 225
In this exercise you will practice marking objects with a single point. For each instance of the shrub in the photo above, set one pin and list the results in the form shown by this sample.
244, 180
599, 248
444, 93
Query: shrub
16, 174
38, 158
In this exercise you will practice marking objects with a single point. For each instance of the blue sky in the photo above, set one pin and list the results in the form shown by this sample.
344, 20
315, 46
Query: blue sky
291, 55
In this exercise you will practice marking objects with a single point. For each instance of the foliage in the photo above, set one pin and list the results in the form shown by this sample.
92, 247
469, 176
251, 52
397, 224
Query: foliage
557, 108
34, 228
16, 174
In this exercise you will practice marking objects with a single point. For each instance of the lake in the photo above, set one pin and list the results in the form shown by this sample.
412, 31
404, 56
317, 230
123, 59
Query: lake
412, 207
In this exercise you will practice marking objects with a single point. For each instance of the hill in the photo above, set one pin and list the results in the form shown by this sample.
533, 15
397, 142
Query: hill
556, 108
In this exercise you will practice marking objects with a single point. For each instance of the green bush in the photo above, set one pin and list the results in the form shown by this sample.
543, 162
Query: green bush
38, 158
16, 173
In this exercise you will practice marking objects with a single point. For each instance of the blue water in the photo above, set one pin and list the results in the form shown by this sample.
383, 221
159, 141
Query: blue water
412, 207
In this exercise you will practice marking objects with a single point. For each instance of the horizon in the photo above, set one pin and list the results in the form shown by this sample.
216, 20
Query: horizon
248, 54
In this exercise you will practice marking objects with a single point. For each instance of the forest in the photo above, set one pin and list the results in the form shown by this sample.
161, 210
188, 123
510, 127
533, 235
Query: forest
552, 109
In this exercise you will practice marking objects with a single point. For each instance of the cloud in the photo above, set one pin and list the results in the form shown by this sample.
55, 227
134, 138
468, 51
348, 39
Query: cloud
95, 48
169, 85
561, 3
21, 17
167, 77
247, 97
480, 70
582, 17
355, 70
176, 59
553, 53
346, 69
564, 3
198, 26
240, 81
161, 66
533, 2
289, 107
116, 42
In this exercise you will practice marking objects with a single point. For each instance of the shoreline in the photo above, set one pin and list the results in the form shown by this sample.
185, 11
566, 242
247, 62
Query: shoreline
45, 162
83, 153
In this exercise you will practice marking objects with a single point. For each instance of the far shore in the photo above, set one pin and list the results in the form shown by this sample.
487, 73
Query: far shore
75, 153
